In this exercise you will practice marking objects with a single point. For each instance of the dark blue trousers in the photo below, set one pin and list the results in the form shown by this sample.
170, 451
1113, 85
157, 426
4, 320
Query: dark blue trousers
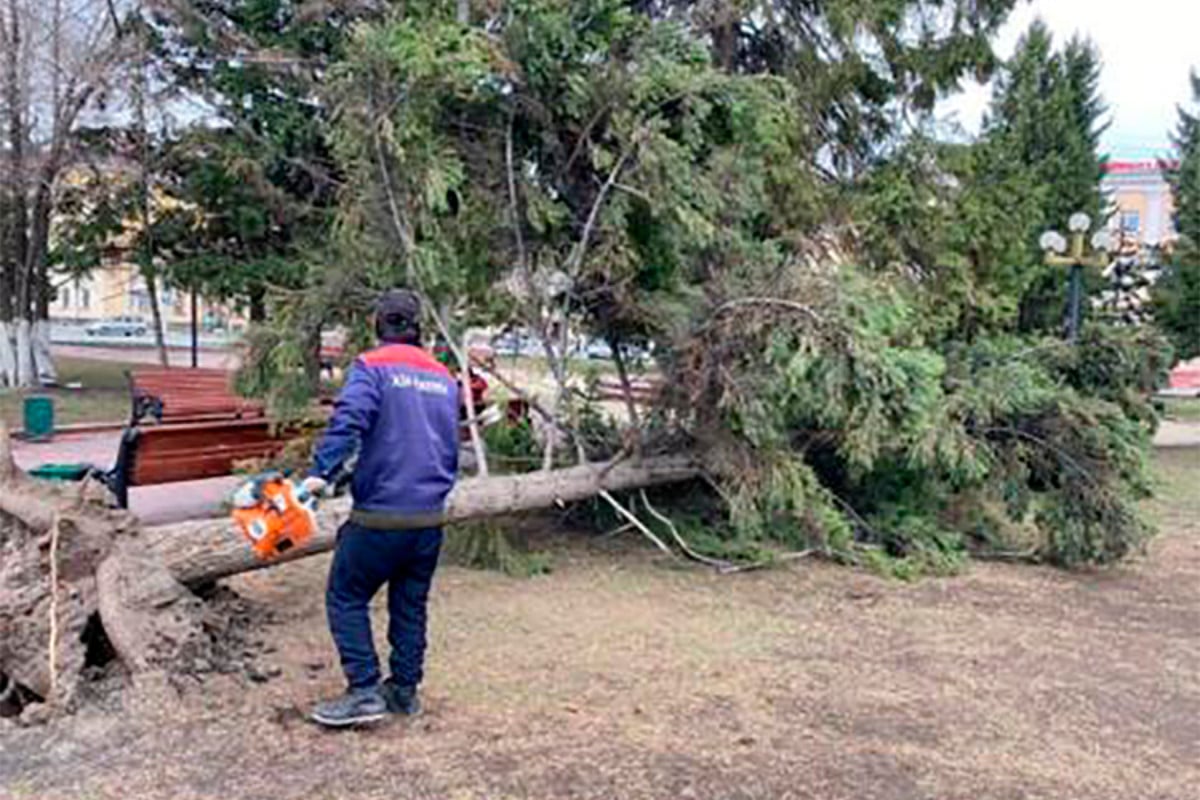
364, 561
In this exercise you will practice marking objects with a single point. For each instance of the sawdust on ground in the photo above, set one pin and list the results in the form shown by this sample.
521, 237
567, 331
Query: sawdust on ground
619, 676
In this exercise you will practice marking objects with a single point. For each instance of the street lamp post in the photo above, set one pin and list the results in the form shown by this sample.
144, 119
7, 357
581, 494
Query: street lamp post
1074, 254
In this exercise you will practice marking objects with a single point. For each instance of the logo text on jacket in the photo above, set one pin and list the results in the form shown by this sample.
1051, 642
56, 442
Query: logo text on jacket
405, 381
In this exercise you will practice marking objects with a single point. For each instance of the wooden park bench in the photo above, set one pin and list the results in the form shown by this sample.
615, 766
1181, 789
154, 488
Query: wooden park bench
171, 396
188, 424
644, 390
157, 454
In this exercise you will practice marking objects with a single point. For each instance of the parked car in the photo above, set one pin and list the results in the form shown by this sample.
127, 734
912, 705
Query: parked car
118, 326
517, 343
598, 350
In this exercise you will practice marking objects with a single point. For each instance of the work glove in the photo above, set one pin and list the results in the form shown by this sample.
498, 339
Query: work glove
315, 486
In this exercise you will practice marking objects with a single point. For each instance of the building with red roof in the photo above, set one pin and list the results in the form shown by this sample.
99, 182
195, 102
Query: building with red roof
1141, 200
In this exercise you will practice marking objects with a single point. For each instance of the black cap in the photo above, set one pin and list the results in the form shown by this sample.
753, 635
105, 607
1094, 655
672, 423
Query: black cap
398, 317
398, 306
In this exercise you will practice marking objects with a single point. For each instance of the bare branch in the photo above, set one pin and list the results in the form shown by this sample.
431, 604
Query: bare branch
522, 256
679, 540
414, 279
398, 223
116, 20
777, 302
626, 389
576, 259
1062, 454
637, 523
464, 374
781, 557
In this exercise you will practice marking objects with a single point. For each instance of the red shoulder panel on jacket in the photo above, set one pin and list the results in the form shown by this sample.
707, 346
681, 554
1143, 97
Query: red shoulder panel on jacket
403, 355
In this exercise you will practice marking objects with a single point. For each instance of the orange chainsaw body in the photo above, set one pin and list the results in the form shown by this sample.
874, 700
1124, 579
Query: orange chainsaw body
275, 515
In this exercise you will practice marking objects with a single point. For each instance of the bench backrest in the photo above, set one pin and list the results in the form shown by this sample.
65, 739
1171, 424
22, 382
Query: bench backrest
177, 395
643, 390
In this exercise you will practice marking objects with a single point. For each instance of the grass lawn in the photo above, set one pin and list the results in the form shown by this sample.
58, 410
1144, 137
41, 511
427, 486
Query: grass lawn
103, 398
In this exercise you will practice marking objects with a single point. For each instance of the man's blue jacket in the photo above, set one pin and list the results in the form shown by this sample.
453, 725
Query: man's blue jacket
399, 409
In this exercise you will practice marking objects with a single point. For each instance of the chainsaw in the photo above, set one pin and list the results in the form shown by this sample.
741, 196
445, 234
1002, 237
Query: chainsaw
275, 514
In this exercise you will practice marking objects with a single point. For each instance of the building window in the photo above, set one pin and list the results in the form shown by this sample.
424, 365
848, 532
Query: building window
66, 298
1131, 221
85, 298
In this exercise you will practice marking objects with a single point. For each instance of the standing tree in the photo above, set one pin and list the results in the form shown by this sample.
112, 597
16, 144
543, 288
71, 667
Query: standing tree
1048, 117
254, 176
57, 63
230, 233
1177, 294
861, 68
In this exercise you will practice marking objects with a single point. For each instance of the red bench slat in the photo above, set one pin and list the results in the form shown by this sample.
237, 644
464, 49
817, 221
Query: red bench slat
192, 451
187, 394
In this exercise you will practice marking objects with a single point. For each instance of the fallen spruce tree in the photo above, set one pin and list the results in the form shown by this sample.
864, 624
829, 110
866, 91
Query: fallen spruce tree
74, 572
869, 360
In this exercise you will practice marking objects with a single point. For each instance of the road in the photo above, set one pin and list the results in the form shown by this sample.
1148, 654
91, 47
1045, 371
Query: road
217, 359
1177, 434
75, 334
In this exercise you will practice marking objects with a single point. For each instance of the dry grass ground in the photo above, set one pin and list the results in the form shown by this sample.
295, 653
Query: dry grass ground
617, 676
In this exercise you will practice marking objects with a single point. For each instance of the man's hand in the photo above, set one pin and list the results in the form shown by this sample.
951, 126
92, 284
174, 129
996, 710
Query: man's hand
315, 486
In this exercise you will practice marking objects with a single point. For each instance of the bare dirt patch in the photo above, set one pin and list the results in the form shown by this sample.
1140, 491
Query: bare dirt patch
617, 676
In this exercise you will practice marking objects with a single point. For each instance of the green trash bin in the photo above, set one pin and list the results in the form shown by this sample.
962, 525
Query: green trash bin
39, 418
61, 472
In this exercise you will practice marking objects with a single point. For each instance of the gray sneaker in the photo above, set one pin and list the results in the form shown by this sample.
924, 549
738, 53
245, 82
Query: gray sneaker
355, 707
402, 700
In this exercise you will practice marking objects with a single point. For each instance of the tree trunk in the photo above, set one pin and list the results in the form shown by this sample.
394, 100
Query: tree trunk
146, 260
43, 358
160, 342
200, 552
8, 355
464, 380
725, 38
635, 420
258, 304
66, 561
8, 294
18, 212
16, 357
24, 346
40, 358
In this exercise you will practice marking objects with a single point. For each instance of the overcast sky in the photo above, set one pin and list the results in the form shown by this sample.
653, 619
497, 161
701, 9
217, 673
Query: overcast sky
1147, 46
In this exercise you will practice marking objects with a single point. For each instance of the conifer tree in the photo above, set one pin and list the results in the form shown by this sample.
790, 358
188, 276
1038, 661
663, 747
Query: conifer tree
1177, 294
1048, 116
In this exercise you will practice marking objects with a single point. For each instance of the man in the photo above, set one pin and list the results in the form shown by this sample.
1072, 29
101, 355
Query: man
399, 411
